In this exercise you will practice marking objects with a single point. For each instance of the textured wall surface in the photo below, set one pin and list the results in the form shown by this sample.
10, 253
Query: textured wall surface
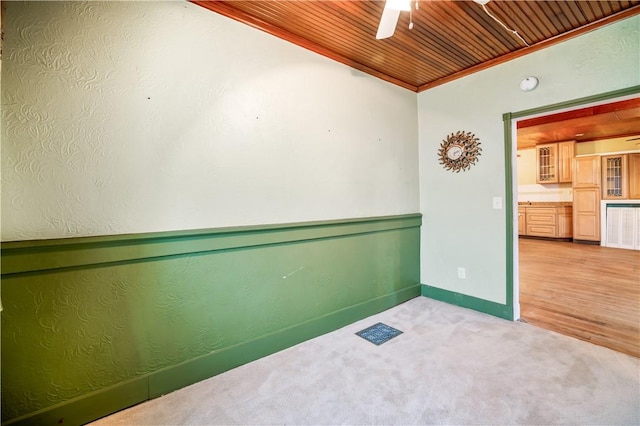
68, 331
461, 227
125, 117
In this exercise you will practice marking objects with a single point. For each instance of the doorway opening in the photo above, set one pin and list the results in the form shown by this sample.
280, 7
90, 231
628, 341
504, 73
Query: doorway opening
585, 291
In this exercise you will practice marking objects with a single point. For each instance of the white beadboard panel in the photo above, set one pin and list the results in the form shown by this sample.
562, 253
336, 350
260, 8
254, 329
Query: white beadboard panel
460, 228
620, 224
127, 117
621, 227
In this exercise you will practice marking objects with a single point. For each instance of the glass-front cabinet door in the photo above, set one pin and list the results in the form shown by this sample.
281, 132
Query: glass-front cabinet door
615, 177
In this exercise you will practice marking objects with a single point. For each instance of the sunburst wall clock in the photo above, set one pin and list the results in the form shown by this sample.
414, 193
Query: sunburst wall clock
459, 151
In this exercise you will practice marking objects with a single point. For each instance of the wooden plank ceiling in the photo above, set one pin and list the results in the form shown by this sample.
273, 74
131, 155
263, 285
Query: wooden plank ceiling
613, 120
450, 39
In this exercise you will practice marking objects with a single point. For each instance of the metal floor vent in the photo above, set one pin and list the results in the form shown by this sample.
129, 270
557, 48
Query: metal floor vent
379, 333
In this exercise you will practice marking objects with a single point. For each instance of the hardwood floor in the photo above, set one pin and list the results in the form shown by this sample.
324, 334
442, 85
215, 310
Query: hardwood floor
585, 291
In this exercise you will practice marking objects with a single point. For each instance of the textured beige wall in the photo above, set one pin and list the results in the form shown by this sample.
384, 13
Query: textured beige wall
125, 117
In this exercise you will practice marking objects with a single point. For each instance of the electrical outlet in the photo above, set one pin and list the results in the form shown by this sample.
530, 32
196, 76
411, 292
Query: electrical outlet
462, 273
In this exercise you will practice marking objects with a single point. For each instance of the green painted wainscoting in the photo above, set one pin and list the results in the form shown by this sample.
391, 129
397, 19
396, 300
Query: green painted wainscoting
93, 325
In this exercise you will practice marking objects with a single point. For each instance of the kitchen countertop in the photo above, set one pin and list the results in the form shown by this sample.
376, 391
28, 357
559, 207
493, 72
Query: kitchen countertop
545, 203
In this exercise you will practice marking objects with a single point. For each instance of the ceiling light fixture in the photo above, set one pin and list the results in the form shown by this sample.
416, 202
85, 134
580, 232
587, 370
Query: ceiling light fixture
528, 84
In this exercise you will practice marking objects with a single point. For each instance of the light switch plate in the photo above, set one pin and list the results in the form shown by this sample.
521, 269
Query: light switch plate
497, 203
462, 273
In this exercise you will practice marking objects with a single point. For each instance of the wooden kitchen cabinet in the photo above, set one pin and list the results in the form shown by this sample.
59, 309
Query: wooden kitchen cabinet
554, 162
586, 171
586, 198
586, 214
615, 177
522, 221
634, 176
566, 152
549, 221
547, 163
565, 222
541, 221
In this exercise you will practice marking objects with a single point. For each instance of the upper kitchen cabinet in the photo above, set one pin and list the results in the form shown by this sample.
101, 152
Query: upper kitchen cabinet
634, 176
547, 163
566, 152
586, 171
554, 162
615, 177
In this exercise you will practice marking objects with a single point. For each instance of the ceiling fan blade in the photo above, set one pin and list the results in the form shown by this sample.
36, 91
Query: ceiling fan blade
388, 22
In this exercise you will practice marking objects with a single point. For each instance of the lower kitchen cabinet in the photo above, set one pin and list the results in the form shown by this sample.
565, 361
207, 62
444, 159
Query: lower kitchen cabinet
545, 220
565, 222
541, 221
522, 221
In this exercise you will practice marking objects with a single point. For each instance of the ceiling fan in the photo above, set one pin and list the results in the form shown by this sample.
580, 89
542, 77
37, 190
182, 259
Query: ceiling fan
634, 139
391, 14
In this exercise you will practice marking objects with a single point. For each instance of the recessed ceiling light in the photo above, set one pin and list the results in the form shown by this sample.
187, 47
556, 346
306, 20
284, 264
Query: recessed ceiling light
579, 134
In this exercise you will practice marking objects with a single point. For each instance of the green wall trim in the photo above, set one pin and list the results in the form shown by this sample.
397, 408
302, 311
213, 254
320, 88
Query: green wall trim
195, 370
508, 205
465, 301
48, 255
98, 404
573, 103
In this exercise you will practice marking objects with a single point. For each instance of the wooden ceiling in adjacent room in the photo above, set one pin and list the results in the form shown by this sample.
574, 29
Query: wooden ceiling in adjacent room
450, 39
608, 121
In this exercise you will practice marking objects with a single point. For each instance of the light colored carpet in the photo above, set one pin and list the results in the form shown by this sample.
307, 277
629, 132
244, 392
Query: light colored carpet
450, 366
